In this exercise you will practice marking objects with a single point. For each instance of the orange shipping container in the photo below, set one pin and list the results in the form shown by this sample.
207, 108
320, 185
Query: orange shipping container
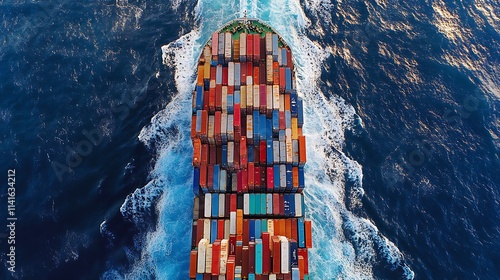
192, 263
276, 73
196, 152
193, 126
288, 228
308, 233
287, 102
295, 178
201, 73
302, 150
239, 221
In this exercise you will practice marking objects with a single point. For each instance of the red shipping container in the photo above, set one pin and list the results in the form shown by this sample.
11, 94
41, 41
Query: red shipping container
251, 172
266, 253
238, 254
218, 97
249, 48
262, 153
262, 99
295, 234
216, 257
244, 262
237, 119
243, 152
231, 263
237, 154
303, 252
220, 229
232, 244
204, 154
276, 204
249, 73
263, 175
203, 176
204, 123
282, 122
244, 180
239, 185
256, 177
210, 177
233, 202
251, 257
193, 260
213, 154
276, 73
211, 99
243, 73
256, 48
270, 178
302, 150
246, 235
262, 73
199, 231
276, 254
217, 128
301, 266
224, 76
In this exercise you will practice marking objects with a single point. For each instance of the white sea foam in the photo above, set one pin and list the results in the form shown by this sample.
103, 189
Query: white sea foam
166, 249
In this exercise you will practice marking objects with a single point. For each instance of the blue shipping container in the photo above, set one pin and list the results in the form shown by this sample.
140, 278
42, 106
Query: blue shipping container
196, 181
300, 230
216, 177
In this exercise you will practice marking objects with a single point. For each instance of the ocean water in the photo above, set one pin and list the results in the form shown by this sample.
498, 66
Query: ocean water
402, 123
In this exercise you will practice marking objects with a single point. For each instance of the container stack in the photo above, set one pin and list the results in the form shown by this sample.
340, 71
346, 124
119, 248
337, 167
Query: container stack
249, 157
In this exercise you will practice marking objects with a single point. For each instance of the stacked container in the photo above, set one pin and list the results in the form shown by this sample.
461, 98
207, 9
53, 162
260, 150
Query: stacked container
249, 156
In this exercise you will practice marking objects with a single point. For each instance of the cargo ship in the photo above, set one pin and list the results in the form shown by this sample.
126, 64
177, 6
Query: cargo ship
249, 154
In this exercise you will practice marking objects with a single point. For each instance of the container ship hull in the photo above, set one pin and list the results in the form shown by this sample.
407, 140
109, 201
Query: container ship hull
248, 156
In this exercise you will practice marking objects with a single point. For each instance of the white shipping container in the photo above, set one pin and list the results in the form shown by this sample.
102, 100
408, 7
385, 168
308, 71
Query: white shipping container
298, 205
228, 46
282, 176
295, 151
270, 229
232, 222
282, 152
223, 125
269, 43
249, 127
202, 251
223, 180
224, 252
211, 126
208, 261
230, 74
269, 96
224, 99
243, 44
230, 154
272, 276
230, 127
208, 205
221, 44
249, 80
206, 229
222, 204
256, 95
269, 69
276, 152
269, 203
285, 255
276, 97
246, 204
282, 104
226, 229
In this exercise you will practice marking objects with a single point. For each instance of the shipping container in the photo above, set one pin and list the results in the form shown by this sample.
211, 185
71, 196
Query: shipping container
302, 150
285, 255
256, 48
243, 47
269, 43
193, 260
236, 50
308, 233
288, 80
237, 76
228, 47
269, 69
275, 47
249, 48
208, 259
300, 113
258, 256
202, 250
231, 73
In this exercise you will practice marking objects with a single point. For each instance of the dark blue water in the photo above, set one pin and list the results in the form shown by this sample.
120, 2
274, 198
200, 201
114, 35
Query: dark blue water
79, 81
